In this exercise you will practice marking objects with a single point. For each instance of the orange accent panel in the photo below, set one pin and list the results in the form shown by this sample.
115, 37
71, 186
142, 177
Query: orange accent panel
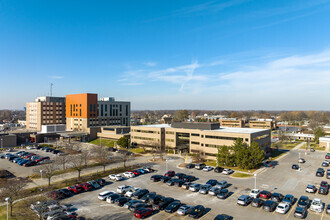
80, 103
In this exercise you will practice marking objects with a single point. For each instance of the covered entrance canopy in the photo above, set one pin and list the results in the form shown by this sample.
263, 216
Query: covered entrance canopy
77, 135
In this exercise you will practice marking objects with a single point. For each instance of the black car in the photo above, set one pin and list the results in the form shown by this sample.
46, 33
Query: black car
295, 167
212, 182
113, 197
179, 176
277, 197
189, 178
218, 169
303, 202
299, 212
65, 192
156, 199
223, 217
179, 183
164, 179
320, 172
224, 193
323, 190
190, 165
101, 182
269, 206
173, 207
122, 200
163, 203
156, 178
186, 185
257, 202
138, 194
171, 182
146, 197
136, 206
197, 211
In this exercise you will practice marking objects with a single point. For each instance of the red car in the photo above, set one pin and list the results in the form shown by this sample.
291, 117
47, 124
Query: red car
55, 195
86, 186
28, 156
265, 194
327, 156
136, 173
144, 212
75, 189
324, 184
170, 173
30, 163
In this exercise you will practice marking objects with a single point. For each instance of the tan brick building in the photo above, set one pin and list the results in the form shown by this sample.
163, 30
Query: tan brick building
202, 138
232, 122
45, 111
262, 123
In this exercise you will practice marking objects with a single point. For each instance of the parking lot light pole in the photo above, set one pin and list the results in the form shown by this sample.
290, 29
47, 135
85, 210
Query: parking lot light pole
41, 179
299, 162
7, 200
255, 180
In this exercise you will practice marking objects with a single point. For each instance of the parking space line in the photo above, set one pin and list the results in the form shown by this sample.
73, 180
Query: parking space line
289, 212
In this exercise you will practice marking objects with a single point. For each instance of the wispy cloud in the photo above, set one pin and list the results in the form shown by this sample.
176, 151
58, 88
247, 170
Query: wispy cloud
150, 64
56, 77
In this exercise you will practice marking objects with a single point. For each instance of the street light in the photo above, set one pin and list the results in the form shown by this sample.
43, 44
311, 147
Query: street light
41, 179
7, 200
299, 161
255, 180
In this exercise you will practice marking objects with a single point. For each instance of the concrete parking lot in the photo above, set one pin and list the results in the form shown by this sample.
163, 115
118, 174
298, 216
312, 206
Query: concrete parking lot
21, 171
280, 179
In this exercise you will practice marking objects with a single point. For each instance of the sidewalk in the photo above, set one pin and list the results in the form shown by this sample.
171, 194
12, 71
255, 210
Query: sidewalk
61, 177
299, 146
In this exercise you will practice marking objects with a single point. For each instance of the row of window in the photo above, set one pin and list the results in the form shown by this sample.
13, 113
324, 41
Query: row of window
145, 138
143, 131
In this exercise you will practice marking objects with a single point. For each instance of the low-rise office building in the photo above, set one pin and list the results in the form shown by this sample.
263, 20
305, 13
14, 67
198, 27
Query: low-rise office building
325, 142
114, 132
204, 138
8, 140
232, 122
262, 123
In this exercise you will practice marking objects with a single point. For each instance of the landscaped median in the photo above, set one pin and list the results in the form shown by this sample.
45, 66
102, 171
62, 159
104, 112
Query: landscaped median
214, 164
241, 175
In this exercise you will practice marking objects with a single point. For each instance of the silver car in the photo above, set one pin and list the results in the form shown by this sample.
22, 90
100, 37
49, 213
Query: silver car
195, 187
184, 210
214, 191
222, 184
204, 189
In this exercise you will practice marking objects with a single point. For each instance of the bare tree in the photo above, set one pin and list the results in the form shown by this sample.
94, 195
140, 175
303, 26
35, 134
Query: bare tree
102, 156
85, 156
48, 171
77, 164
12, 189
125, 157
62, 161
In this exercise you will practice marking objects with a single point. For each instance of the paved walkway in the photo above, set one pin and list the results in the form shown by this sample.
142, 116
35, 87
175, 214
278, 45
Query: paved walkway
299, 146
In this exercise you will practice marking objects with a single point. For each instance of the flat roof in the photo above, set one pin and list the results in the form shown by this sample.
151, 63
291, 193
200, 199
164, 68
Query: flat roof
221, 129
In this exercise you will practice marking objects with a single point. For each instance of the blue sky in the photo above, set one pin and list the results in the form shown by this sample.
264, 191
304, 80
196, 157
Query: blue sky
225, 54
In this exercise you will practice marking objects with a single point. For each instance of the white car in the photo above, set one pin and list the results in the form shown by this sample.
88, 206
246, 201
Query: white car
207, 168
301, 160
310, 188
103, 195
129, 174
130, 192
30, 147
317, 205
227, 171
118, 177
112, 176
123, 189
282, 208
255, 193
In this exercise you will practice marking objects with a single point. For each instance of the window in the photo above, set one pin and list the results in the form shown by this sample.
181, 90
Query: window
194, 142
170, 140
80, 111
120, 107
219, 137
106, 108
197, 135
246, 139
90, 108
101, 110
169, 132
110, 110
94, 108
126, 110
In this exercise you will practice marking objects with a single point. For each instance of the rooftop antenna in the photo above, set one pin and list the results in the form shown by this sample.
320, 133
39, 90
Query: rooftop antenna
51, 89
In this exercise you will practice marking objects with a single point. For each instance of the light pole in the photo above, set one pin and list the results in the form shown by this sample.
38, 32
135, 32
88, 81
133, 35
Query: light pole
299, 161
41, 179
255, 180
7, 200
1, 143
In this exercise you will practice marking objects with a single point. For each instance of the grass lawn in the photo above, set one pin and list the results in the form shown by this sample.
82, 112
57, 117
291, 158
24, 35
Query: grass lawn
276, 154
137, 150
241, 175
288, 145
213, 163
104, 142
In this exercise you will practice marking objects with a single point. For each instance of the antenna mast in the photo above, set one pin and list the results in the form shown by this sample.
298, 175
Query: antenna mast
51, 89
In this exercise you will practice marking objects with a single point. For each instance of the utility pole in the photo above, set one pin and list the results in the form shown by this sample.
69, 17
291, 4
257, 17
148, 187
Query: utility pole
51, 89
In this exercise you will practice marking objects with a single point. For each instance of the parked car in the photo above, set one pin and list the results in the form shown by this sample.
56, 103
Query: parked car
323, 190
312, 150
171, 182
214, 191
65, 192
299, 212
256, 202
129, 174
173, 207
170, 173
118, 177
94, 184
146, 197
218, 169
136, 206
255, 193
121, 201
55, 195
195, 187
223, 217
75, 189
212, 182
190, 165
310, 188
265, 194
103, 195
143, 212
317, 205
269, 206
244, 200
295, 167
289, 199
86, 186
224, 193
204, 189
111, 198
130, 192
130, 202
179, 176
101, 182
301, 160
200, 166
156, 199
282, 208
325, 163
163, 203
179, 183
186, 185
207, 168
164, 179
197, 211
222, 184
123, 189
320, 172
328, 209
189, 178
328, 174
138, 194
277, 197
303, 202
327, 156
227, 171
184, 209
112, 176
156, 178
